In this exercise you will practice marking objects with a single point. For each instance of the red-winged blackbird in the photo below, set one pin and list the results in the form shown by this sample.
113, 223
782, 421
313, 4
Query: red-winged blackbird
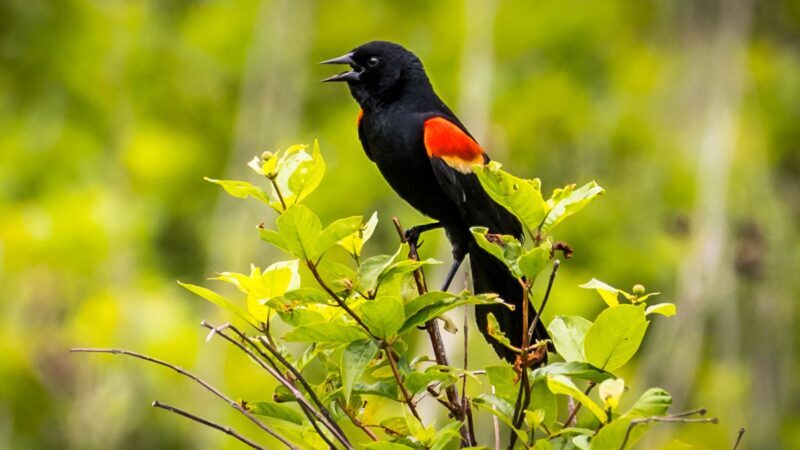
426, 154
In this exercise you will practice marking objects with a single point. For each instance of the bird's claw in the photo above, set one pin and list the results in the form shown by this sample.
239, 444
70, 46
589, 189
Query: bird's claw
412, 236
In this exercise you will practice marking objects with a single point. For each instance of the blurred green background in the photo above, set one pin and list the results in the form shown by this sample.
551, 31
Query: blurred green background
111, 113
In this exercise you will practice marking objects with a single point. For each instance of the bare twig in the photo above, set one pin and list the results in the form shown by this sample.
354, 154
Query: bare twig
278, 191
225, 429
406, 395
673, 418
465, 403
342, 304
496, 426
574, 411
297, 375
524, 387
196, 379
432, 328
355, 421
538, 315
305, 405
739, 438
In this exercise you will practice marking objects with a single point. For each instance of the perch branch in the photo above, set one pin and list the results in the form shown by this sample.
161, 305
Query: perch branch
432, 327
196, 379
672, 418
295, 393
225, 429
406, 395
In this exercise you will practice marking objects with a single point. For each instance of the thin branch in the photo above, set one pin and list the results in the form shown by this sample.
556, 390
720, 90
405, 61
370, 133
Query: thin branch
277, 355
225, 429
739, 438
465, 403
297, 375
195, 378
295, 393
525, 386
355, 421
342, 304
432, 327
536, 318
406, 395
574, 411
278, 191
675, 418
495, 425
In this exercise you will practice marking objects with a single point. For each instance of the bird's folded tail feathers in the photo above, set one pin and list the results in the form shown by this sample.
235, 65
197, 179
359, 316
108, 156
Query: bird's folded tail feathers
491, 275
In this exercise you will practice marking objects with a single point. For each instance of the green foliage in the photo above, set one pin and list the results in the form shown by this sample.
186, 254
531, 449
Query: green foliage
355, 321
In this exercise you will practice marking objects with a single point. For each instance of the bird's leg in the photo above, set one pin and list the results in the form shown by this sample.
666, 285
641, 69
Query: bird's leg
458, 258
412, 234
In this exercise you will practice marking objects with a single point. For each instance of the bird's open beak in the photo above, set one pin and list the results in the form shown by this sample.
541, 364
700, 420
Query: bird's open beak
350, 75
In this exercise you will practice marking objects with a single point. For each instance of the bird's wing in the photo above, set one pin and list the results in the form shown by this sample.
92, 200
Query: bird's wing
453, 152
361, 135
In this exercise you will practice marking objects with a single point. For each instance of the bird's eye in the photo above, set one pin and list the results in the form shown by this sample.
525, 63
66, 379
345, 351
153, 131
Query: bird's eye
372, 62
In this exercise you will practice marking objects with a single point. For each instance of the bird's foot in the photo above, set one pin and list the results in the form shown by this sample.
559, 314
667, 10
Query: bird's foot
412, 235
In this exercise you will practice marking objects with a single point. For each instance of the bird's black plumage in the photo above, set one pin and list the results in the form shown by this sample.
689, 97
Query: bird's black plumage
425, 153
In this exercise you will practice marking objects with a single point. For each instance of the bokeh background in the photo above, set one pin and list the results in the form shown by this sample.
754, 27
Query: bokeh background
112, 111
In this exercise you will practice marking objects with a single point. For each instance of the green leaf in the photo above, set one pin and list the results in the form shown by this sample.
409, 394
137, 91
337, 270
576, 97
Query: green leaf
416, 382
387, 389
307, 175
567, 201
274, 238
544, 400
501, 409
387, 446
559, 384
354, 242
502, 378
503, 247
607, 292
532, 262
654, 402
241, 189
574, 369
297, 317
370, 269
447, 435
493, 329
334, 232
338, 277
427, 299
298, 175
568, 333
219, 300
355, 358
325, 332
384, 315
300, 228
615, 336
396, 424
275, 410
277, 279
440, 304
521, 197
665, 309
306, 295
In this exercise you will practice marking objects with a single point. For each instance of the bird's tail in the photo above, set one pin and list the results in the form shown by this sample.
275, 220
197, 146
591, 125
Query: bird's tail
491, 275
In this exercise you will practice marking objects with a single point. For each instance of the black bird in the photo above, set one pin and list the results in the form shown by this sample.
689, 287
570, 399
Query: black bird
426, 154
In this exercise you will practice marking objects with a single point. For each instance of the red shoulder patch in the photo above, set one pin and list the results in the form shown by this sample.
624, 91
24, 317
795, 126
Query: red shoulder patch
445, 140
360, 116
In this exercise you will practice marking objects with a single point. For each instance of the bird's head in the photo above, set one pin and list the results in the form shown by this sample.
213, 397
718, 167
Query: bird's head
379, 72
